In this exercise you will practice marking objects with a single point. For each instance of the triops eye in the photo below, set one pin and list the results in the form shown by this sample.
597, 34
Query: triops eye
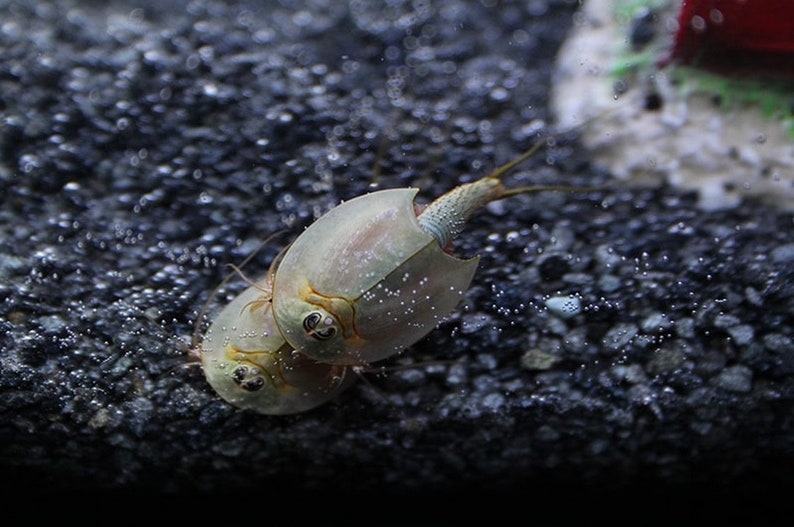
313, 320
324, 333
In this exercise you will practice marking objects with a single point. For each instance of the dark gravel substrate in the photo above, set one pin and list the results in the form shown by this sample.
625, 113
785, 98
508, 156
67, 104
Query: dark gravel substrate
142, 148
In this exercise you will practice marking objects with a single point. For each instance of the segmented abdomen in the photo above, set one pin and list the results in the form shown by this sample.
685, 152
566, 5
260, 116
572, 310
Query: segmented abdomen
444, 218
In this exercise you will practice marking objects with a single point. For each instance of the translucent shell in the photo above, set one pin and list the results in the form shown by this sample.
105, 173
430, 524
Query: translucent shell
365, 281
250, 365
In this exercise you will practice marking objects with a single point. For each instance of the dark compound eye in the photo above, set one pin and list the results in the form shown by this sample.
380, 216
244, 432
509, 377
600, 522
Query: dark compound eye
324, 333
312, 321
253, 385
239, 373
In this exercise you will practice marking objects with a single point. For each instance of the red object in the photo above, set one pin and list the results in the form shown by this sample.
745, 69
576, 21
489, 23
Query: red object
736, 36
